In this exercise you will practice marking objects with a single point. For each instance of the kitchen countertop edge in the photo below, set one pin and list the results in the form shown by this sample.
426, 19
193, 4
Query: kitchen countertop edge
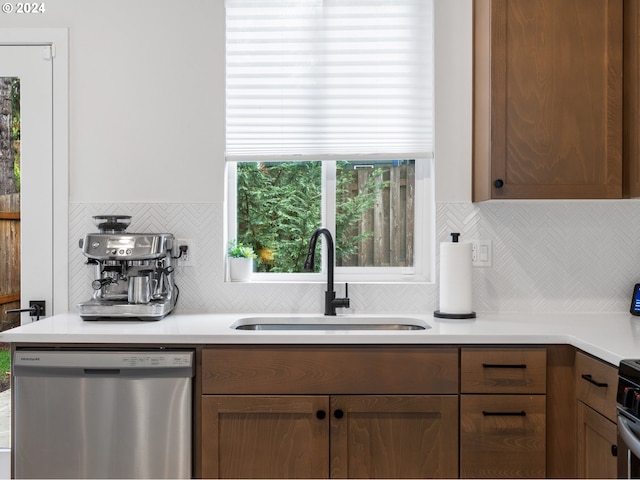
608, 336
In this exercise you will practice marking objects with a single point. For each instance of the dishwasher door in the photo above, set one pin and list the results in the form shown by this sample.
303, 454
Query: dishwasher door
102, 414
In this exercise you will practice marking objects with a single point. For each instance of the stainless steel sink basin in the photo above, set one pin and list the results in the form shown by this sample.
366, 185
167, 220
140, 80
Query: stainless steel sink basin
330, 323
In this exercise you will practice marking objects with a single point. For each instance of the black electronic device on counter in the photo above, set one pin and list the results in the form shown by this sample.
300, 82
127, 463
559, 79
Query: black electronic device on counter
635, 300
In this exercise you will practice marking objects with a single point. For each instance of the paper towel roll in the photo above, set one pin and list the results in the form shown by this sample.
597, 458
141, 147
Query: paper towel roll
455, 278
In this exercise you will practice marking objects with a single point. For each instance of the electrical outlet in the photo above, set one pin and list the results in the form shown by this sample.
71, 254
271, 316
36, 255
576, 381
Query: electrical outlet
186, 258
481, 255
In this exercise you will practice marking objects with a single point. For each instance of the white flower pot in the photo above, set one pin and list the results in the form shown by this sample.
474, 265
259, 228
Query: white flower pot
240, 269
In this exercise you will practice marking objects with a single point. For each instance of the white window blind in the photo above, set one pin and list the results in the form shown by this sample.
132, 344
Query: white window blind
315, 79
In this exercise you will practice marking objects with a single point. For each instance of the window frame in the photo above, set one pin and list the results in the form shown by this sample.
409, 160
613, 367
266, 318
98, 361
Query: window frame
424, 227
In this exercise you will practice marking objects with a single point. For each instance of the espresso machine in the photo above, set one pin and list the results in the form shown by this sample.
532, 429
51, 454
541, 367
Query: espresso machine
133, 272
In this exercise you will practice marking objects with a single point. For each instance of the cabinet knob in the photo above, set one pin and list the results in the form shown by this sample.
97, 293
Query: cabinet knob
321, 414
614, 450
338, 413
499, 183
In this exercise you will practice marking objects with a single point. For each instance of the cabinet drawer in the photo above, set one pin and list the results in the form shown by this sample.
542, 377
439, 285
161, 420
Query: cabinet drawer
307, 369
503, 436
503, 370
596, 384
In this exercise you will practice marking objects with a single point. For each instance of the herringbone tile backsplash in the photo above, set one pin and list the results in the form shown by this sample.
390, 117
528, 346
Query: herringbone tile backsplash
555, 256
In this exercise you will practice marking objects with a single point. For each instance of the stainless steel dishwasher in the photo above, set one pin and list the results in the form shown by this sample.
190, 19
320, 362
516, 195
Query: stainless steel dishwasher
102, 414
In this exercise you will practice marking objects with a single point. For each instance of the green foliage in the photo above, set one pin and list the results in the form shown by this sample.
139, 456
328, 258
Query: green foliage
15, 128
5, 361
15, 108
239, 250
279, 207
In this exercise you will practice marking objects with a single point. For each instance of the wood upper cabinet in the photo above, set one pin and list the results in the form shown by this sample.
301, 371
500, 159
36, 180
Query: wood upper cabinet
548, 99
631, 133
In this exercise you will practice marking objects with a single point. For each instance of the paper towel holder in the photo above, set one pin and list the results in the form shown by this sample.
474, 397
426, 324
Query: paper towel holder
458, 316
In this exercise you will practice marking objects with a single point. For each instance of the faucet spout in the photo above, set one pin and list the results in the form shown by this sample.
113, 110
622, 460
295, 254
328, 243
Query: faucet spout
330, 301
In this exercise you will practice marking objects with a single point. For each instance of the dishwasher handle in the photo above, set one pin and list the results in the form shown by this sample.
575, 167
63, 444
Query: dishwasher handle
102, 371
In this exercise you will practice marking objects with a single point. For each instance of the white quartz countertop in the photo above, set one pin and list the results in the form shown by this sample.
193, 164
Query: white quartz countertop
608, 336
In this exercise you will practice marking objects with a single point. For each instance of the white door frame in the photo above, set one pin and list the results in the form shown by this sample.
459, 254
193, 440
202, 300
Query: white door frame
58, 38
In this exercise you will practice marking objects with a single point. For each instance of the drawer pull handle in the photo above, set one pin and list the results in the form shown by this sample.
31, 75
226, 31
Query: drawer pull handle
504, 365
588, 378
521, 413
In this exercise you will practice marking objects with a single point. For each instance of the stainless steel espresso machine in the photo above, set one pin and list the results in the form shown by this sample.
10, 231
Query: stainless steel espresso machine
133, 272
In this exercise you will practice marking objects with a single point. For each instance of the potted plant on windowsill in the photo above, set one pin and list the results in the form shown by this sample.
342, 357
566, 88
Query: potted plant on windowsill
240, 261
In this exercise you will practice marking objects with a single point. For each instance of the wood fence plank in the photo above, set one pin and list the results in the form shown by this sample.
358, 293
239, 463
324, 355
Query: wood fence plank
365, 250
395, 214
9, 298
10, 246
411, 211
380, 232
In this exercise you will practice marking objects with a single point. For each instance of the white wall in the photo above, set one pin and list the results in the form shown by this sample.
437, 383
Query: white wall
147, 138
147, 98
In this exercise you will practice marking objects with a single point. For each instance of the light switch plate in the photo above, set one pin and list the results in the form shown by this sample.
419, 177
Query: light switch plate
481, 254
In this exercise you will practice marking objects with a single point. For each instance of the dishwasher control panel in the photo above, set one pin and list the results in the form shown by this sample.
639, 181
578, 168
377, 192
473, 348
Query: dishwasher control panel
96, 359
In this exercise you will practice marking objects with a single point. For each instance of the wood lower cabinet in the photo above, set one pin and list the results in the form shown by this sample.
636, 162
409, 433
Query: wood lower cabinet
394, 436
323, 411
339, 436
502, 436
265, 437
503, 412
596, 387
596, 444
315, 411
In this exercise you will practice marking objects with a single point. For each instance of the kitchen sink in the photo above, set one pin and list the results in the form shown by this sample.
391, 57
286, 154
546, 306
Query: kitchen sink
330, 323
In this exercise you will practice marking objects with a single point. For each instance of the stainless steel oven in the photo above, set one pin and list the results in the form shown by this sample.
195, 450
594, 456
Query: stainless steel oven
628, 398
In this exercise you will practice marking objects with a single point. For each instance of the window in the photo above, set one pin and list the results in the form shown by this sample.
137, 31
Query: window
329, 120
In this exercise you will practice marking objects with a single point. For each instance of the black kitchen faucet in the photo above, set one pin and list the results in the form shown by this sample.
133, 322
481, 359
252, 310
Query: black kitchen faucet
330, 300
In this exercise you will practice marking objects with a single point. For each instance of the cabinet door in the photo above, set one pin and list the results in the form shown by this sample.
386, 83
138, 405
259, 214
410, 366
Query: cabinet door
548, 99
596, 442
394, 436
265, 437
502, 436
631, 133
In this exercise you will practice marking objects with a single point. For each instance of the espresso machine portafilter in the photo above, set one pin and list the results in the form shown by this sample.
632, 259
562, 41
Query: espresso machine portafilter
133, 272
